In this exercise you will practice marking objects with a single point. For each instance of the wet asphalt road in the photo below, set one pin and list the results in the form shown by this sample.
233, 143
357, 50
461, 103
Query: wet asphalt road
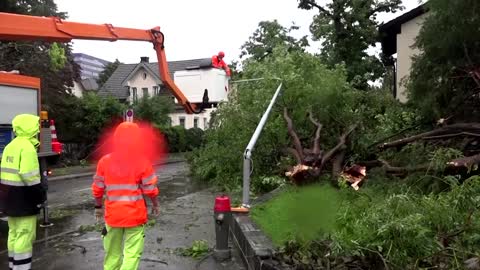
72, 243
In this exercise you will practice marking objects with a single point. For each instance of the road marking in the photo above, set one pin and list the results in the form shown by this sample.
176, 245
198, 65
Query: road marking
80, 190
56, 205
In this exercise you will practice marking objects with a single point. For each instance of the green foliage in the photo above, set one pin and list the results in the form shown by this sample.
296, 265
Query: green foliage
440, 156
34, 7
107, 72
383, 223
271, 34
295, 213
308, 85
154, 109
82, 120
441, 82
234, 122
180, 139
176, 138
268, 183
198, 249
412, 230
347, 28
57, 57
195, 138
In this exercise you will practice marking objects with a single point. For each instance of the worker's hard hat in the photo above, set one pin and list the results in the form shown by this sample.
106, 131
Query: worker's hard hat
221, 54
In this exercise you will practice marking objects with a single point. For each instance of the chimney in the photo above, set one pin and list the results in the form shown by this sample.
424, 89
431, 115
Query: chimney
144, 59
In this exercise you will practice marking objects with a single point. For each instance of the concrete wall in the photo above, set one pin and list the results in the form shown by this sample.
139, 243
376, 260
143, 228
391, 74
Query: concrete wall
405, 41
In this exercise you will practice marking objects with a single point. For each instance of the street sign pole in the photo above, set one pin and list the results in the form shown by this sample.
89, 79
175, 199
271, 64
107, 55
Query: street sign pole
129, 115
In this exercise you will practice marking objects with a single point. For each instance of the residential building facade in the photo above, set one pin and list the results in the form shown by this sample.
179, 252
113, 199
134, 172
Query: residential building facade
398, 39
131, 82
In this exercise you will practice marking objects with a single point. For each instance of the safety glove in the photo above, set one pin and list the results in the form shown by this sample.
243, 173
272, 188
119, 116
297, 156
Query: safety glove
98, 213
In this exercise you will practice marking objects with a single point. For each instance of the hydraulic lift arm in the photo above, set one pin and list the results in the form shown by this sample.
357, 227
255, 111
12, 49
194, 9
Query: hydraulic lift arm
16, 27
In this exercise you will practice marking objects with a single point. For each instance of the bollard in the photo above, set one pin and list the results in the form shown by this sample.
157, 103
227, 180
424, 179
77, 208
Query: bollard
222, 216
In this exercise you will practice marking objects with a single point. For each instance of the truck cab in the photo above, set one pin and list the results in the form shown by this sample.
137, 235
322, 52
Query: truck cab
21, 94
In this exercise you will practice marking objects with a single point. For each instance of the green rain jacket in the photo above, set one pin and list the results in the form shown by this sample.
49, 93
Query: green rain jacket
21, 192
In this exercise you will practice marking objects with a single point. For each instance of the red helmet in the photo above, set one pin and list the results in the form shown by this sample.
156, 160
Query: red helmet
221, 54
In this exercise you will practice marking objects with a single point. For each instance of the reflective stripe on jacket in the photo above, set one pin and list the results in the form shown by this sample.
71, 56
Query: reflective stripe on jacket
20, 189
124, 192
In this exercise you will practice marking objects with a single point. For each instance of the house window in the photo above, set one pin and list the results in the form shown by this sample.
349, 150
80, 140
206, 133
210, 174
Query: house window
205, 123
156, 90
182, 121
134, 94
145, 91
144, 76
195, 122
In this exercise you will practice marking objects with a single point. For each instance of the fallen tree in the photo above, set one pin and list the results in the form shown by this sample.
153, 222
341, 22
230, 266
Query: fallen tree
458, 165
312, 161
445, 132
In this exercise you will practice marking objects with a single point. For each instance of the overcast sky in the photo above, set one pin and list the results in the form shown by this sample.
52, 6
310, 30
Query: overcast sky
192, 28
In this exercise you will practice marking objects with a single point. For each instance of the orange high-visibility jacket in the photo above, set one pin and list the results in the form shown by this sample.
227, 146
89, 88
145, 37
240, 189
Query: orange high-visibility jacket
219, 63
125, 189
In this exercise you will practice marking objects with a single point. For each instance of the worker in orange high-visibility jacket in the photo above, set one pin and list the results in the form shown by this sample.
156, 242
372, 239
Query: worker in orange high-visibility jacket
217, 62
125, 177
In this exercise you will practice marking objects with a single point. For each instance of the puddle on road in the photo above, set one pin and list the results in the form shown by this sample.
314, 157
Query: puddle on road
81, 217
178, 187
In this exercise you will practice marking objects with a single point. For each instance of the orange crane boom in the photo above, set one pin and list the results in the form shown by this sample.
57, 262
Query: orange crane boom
15, 27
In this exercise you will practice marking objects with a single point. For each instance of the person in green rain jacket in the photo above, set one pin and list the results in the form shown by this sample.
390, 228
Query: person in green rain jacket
22, 193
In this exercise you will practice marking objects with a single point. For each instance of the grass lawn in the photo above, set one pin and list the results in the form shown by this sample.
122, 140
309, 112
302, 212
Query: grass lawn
298, 213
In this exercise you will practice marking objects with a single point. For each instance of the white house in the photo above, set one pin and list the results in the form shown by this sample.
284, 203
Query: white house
83, 86
130, 82
397, 38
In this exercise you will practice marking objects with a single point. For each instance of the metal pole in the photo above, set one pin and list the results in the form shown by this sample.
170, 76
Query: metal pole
44, 182
248, 151
248, 80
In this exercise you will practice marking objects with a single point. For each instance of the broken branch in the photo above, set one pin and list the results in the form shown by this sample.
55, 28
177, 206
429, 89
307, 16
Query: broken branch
447, 136
337, 164
295, 154
473, 128
340, 146
393, 169
316, 141
465, 161
293, 134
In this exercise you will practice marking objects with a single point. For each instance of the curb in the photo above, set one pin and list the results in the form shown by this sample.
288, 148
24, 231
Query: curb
256, 249
91, 173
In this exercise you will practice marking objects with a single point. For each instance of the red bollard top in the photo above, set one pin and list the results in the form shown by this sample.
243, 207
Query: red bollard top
222, 204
